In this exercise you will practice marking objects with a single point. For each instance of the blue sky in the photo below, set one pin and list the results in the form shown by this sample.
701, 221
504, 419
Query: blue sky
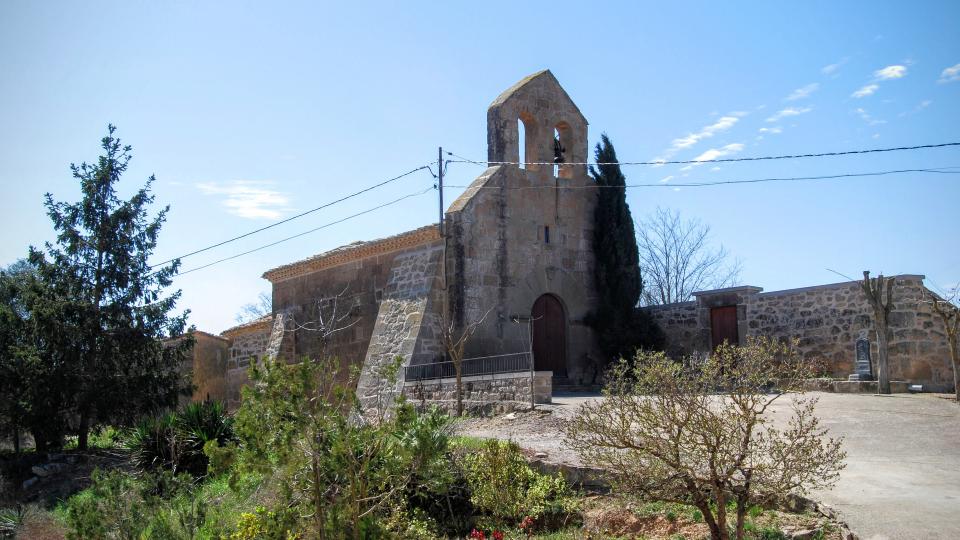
251, 112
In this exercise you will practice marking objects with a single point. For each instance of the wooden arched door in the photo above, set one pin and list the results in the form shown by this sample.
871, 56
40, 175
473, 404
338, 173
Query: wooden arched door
549, 335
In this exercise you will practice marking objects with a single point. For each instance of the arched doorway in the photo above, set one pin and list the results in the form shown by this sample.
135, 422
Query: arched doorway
549, 335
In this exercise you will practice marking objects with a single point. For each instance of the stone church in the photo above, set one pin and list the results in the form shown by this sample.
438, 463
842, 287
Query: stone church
513, 256
514, 251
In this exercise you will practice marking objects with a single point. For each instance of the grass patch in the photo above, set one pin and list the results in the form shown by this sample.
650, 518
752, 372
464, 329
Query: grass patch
467, 442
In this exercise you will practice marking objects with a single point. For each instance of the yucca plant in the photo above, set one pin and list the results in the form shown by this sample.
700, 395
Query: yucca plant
175, 441
197, 424
153, 443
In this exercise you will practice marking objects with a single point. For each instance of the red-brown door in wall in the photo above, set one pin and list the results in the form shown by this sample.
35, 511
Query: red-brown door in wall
723, 325
549, 335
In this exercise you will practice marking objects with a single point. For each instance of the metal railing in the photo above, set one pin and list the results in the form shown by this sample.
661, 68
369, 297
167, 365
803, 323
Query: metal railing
484, 365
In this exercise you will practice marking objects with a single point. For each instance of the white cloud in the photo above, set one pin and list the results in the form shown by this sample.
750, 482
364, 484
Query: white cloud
772, 130
866, 117
789, 111
867, 90
950, 74
890, 72
715, 169
832, 69
716, 153
803, 92
248, 199
666, 179
723, 124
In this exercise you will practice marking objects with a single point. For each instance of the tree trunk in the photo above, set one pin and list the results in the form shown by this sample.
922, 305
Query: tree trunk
883, 367
722, 517
741, 518
955, 356
708, 517
83, 431
459, 368
16, 429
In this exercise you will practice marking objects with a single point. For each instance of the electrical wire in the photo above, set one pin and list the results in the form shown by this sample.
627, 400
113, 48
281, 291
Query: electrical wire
461, 159
291, 218
939, 170
298, 235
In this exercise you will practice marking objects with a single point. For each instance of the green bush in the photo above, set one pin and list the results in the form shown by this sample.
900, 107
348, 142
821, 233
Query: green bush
505, 486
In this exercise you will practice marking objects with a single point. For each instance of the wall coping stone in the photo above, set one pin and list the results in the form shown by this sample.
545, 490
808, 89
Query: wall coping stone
256, 324
785, 292
472, 378
670, 306
353, 252
749, 289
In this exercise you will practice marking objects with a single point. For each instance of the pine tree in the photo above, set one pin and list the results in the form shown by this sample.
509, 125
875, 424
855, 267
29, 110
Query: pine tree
113, 314
621, 327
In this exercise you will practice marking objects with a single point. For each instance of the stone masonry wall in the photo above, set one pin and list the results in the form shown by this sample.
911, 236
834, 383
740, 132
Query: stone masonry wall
399, 329
500, 258
681, 324
246, 345
827, 320
346, 297
508, 391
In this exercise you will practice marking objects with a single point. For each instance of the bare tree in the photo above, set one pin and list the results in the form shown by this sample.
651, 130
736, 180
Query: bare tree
255, 310
873, 289
677, 259
455, 342
948, 310
698, 432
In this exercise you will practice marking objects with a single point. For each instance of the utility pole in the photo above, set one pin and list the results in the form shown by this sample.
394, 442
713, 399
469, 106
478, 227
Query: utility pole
440, 186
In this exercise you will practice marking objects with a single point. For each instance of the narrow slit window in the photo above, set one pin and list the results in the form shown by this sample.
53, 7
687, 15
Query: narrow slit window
522, 139
546, 234
557, 153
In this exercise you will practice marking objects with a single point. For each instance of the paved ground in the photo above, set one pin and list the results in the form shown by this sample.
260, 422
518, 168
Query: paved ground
902, 479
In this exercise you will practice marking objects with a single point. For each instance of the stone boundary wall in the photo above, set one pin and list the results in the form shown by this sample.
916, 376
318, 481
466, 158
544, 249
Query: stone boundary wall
681, 326
827, 320
500, 392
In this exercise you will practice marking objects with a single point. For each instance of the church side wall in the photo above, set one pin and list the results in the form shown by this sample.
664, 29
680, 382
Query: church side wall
348, 294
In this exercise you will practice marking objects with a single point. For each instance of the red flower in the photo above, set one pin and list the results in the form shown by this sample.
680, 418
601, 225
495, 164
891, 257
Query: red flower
497, 535
477, 535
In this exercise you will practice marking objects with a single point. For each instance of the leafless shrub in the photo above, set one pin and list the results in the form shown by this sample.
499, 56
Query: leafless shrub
696, 432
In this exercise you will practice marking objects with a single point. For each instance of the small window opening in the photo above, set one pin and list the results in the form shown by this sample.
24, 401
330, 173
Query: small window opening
546, 234
522, 139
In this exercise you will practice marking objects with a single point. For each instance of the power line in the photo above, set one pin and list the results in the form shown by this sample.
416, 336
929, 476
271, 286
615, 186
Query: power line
291, 218
461, 159
939, 170
375, 208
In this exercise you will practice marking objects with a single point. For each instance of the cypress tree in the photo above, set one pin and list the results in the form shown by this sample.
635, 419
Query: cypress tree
621, 327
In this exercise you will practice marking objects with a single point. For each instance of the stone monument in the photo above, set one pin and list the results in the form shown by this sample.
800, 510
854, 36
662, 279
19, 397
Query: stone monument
862, 365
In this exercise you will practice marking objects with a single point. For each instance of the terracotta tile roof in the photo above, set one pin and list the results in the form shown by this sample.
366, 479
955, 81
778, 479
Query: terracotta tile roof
353, 252
255, 324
